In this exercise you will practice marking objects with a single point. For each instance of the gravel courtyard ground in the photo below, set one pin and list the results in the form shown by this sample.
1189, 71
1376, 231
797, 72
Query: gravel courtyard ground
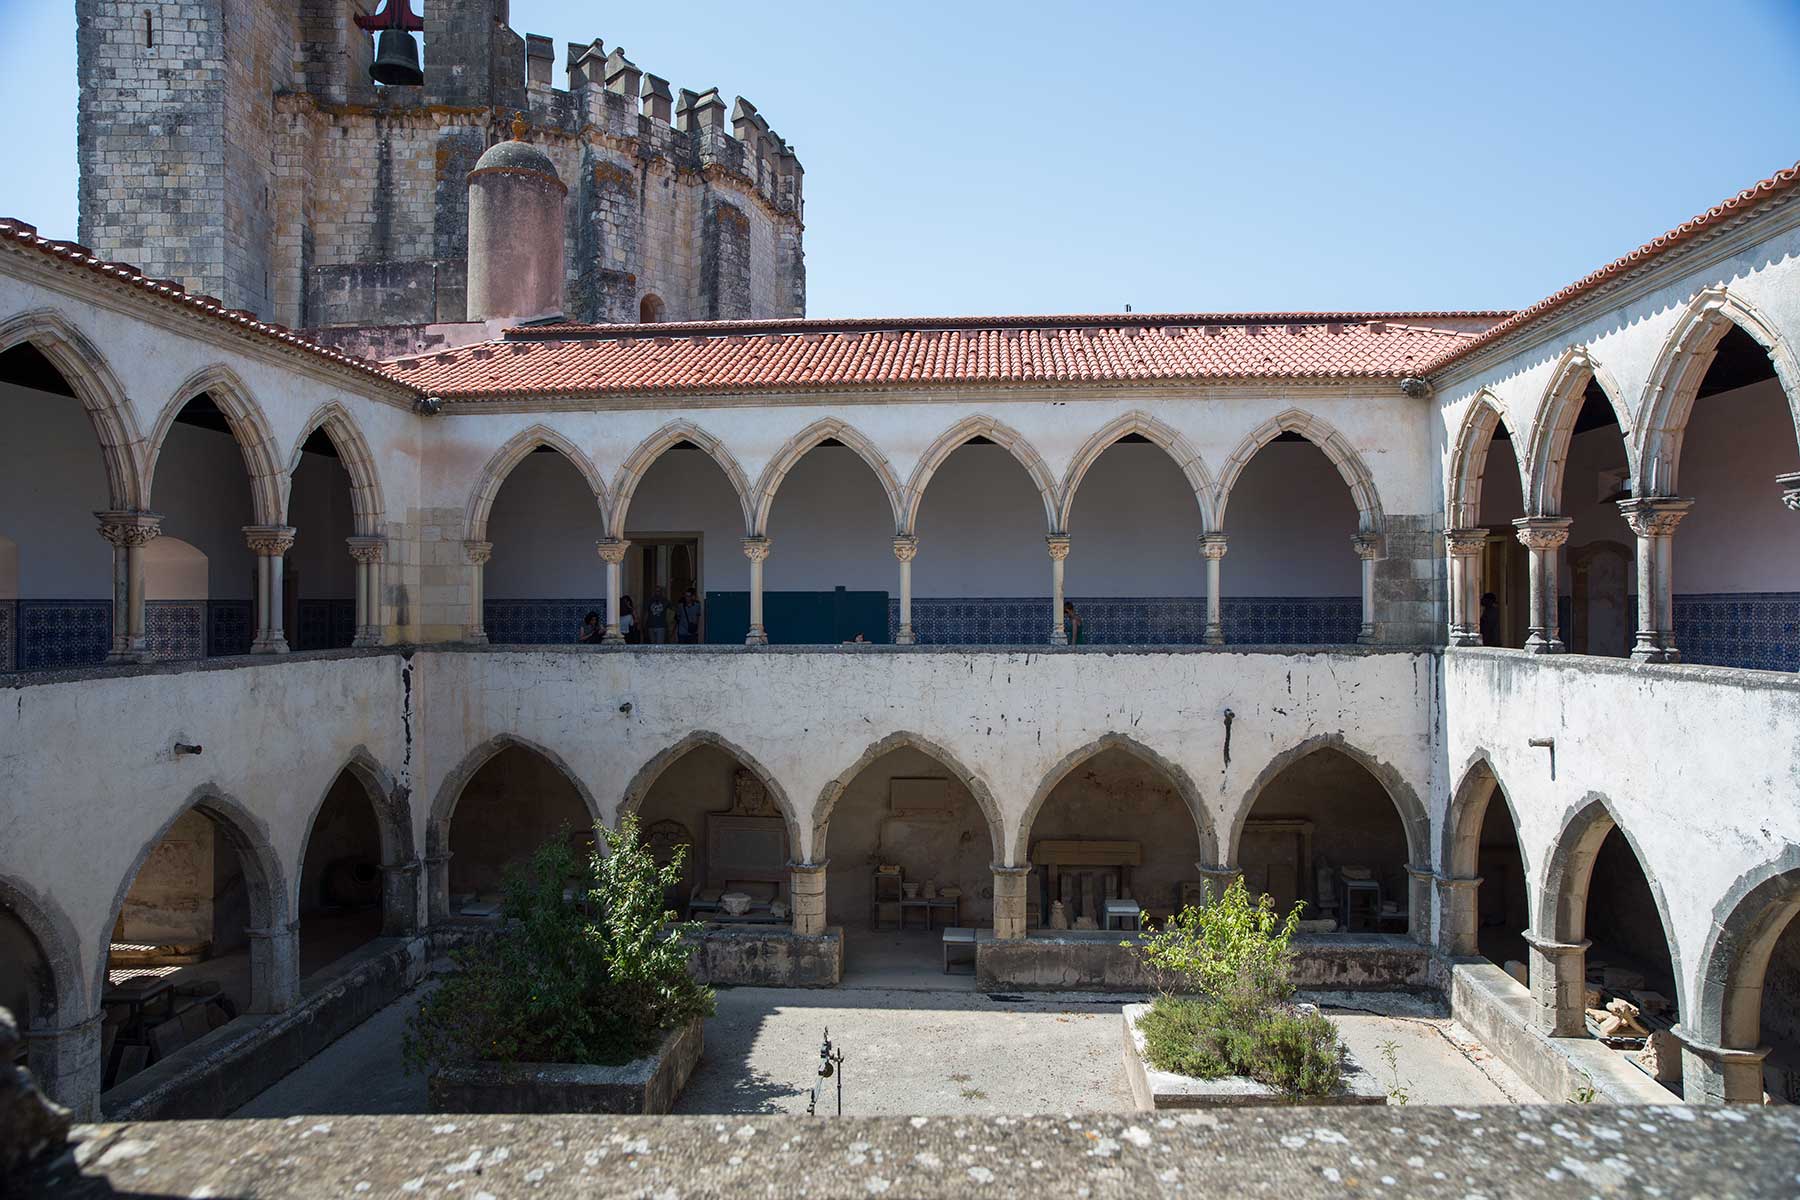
918, 1053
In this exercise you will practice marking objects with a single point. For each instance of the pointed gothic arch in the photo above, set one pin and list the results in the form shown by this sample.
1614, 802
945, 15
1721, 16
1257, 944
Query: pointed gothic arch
1468, 459
1185, 787
510, 455
60, 988
249, 429
1554, 424
101, 394
632, 473
1413, 816
798, 446
983, 426
1469, 805
1746, 925
391, 802
1172, 442
443, 805
646, 776
1680, 369
346, 436
978, 788
1321, 434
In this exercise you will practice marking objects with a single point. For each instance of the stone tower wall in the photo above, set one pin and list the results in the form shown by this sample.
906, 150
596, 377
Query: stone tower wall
248, 156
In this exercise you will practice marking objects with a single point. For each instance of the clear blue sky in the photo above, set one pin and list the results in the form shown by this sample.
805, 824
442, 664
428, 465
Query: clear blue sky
989, 157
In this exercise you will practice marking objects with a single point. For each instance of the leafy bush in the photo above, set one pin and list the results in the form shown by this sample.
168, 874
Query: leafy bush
587, 967
1233, 954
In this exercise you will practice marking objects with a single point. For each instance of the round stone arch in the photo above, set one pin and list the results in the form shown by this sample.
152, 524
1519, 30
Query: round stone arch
1725, 1028
1320, 433
651, 771
1468, 460
101, 394
1459, 854
64, 1031
249, 429
1001, 434
1184, 787
798, 446
632, 473
1679, 370
510, 455
366, 503
274, 961
978, 788
1172, 442
392, 806
1554, 424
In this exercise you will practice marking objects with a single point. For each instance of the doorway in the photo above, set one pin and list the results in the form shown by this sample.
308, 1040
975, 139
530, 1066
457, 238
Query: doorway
670, 561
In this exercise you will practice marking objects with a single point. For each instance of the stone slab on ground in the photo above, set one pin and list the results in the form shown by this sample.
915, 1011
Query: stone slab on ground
1155, 1091
645, 1085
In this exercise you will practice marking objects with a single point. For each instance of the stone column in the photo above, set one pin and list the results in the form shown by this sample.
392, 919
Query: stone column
437, 887
612, 552
1458, 915
1558, 985
1368, 548
1542, 536
270, 544
128, 533
1419, 881
478, 554
1717, 1074
1009, 901
400, 898
1653, 520
1214, 880
905, 548
807, 885
756, 549
1212, 548
1465, 547
1790, 489
274, 968
66, 1064
367, 552
1059, 551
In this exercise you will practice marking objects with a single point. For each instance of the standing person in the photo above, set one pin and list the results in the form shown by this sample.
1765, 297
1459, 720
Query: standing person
627, 619
1071, 623
654, 614
687, 618
1490, 619
590, 631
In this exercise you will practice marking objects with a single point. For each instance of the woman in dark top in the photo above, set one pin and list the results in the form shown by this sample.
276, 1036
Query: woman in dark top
590, 631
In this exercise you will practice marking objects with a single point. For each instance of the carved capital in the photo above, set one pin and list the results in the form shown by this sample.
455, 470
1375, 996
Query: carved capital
1654, 516
1542, 533
366, 549
1465, 543
756, 549
612, 550
1059, 546
1790, 489
478, 552
906, 548
270, 541
1212, 545
127, 529
1368, 545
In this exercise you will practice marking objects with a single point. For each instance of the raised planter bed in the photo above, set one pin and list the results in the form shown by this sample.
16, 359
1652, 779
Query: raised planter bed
1155, 1090
646, 1085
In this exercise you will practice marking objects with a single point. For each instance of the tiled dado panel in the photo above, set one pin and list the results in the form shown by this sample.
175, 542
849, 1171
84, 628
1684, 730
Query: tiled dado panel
59, 635
228, 628
9, 636
175, 629
324, 625
55, 635
1755, 630
536, 622
1135, 621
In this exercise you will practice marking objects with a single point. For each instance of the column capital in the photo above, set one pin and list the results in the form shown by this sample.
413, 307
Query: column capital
1552, 949
366, 549
1465, 543
1001, 870
1654, 516
478, 552
1693, 1043
269, 540
756, 549
125, 529
411, 867
612, 550
1058, 544
1369, 545
809, 868
1212, 545
906, 547
1542, 533
1458, 881
1790, 489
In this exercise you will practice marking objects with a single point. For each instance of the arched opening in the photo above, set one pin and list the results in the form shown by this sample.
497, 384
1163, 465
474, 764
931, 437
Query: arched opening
203, 492
514, 802
829, 576
55, 570
1737, 551
1503, 598
27, 984
1132, 580
1777, 1023
650, 309
982, 576
685, 521
341, 893
910, 852
193, 942
1484, 903
321, 575
1291, 575
1629, 952
1325, 831
1115, 829
1597, 580
708, 799
545, 575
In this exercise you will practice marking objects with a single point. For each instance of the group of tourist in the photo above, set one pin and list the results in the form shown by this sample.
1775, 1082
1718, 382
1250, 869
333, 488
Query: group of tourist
663, 623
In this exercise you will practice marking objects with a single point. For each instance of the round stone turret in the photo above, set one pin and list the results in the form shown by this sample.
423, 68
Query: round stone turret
515, 233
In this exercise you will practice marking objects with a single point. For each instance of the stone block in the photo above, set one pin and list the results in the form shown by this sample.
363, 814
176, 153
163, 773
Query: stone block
646, 1085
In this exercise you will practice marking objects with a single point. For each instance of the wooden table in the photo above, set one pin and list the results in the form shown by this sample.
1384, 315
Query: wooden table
950, 904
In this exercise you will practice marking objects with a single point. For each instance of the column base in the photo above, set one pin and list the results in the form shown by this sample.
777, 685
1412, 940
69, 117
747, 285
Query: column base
1366, 636
365, 640
1653, 652
1458, 931
66, 1066
806, 888
476, 637
1215, 635
905, 636
1009, 902
276, 645
1558, 986
1059, 638
1464, 637
612, 637
274, 968
758, 636
400, 898
1537, 643
1718, 1074
121, 658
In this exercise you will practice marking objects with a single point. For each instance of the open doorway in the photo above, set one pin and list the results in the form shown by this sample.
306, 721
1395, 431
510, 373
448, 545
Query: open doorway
659, 571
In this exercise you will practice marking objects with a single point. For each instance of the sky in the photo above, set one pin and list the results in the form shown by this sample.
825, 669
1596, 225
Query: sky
1051, 157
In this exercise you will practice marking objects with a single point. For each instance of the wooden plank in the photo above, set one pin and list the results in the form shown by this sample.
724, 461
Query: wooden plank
1087, 854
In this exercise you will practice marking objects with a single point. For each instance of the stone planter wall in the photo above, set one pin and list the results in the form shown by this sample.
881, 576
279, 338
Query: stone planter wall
647, 1085
768, 956
1098, 962
1155, 1090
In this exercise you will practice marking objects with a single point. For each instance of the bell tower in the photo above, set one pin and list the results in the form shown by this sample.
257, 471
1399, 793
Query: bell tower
177, 137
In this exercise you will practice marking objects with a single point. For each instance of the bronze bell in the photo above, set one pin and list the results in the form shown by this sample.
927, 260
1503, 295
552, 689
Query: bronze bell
397, 59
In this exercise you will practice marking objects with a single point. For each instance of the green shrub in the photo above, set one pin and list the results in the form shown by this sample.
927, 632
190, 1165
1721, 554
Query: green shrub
1231, 943
587, 967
